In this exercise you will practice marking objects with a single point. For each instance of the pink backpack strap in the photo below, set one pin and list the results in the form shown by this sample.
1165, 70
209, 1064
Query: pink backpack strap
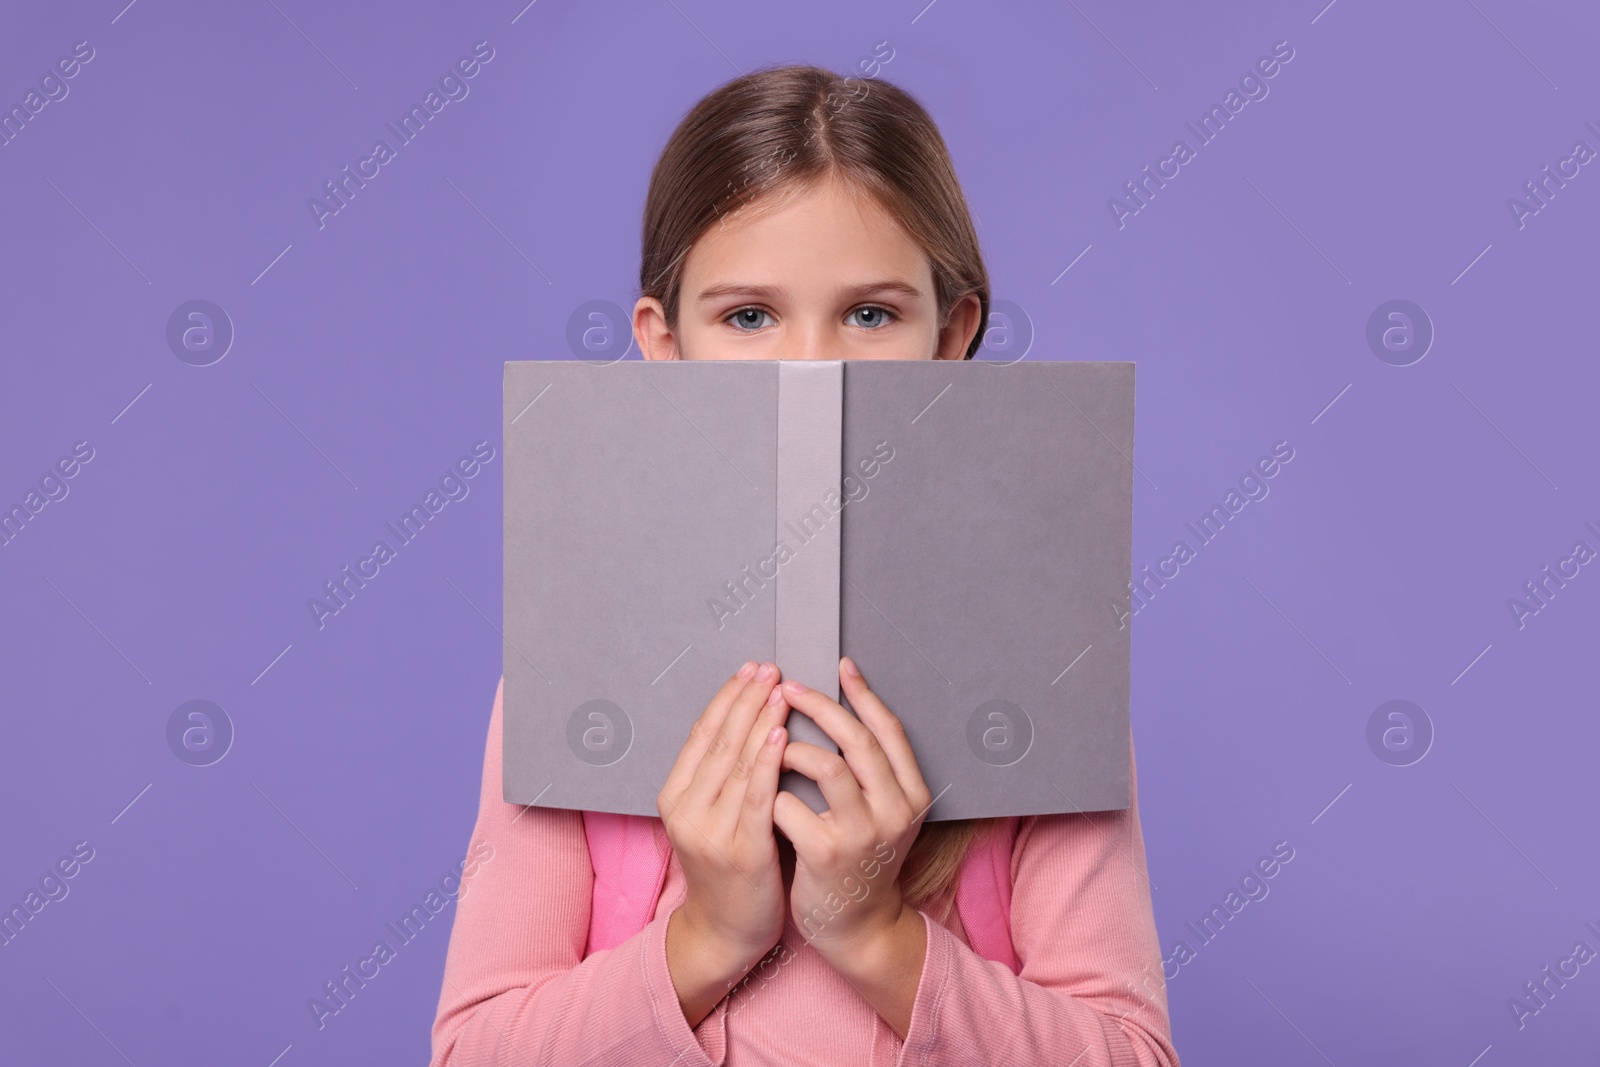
983, 895
629, 871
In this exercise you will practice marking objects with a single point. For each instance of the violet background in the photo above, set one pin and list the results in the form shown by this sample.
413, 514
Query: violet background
368, 354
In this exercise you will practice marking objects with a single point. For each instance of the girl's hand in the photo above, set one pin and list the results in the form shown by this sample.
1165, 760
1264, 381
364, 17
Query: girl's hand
717, 808
847, 860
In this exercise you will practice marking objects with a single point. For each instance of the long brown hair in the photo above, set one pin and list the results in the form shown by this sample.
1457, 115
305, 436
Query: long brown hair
783, 129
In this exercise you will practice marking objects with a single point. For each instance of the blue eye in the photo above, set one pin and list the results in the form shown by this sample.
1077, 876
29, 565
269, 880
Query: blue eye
741, 319
877, 317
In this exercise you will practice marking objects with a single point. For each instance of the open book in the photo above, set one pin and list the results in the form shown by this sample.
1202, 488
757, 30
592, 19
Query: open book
961, 529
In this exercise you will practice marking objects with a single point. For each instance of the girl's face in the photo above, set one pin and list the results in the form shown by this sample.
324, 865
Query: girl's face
820, 274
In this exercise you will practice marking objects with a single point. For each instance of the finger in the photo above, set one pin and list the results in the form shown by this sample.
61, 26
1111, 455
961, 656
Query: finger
704, 729
887, 728
771, 713
755, 816
857, 743
728, 744
803, 827
833, 775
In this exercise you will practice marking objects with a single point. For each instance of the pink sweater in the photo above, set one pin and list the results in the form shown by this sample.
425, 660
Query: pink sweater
518, 989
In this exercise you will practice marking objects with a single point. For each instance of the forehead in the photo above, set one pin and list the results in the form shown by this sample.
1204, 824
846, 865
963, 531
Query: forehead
827, 230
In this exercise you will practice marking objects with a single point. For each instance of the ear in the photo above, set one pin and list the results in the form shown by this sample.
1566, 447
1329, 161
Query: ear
960, 329
650, 330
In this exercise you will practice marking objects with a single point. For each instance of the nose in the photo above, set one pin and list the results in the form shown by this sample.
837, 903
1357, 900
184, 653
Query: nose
811, 341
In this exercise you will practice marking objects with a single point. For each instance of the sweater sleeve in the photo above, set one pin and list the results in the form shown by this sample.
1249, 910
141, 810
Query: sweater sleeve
1091, 991
517, 988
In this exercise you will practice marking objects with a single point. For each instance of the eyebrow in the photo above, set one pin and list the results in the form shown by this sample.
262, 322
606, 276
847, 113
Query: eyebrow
772, 292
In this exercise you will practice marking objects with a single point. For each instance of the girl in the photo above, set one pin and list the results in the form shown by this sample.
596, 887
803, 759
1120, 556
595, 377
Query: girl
798, 215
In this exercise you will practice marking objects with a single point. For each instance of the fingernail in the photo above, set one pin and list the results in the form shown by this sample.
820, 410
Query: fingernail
768, 672
777, 732
794, 686
774, 696
748, 669
850, 668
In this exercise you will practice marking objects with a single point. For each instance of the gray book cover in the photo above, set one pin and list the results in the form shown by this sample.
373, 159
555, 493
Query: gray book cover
961, 528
